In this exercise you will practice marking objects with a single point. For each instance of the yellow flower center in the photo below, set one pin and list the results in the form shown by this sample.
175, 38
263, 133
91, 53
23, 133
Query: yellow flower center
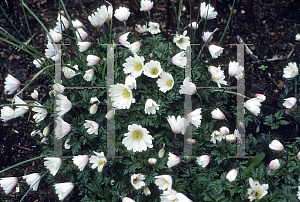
169, 83
125, 93
293, 72
180, 40
155, 27
138, 66
257, 193
165, 181
137, 135
135, 180
100, 162
154, 71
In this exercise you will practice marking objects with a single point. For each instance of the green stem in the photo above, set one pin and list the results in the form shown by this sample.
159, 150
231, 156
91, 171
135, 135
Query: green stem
229, 92
199, 54
28, 105
283, 165
227, 24
178, 25
35, 158
28, 27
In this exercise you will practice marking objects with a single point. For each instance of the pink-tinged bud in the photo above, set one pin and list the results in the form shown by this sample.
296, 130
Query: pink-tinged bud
257, 129
274, 164
231, 138
191, 141
231, 175
242, 126
203, 160
92, 60
276, 145
173, 160
206, 35
112, 182
217, 114
224, 130
123, 40
81, 34
161, 153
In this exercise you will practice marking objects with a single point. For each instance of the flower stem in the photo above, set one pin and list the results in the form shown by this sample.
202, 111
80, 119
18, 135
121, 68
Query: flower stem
199, 54
284, 165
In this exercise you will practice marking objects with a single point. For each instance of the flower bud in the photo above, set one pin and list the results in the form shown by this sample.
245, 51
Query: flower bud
298, 155
81, 34
135, 47
147, 191
224, 130
93, 109
217, 114
112, 182
274, 164
231, 175
66, 145
83, 46
44, 140
231, 138
161, 153
33, 133
152, 161
34, 95
46, 131
191, 141
110, 114
276, 145
77, 24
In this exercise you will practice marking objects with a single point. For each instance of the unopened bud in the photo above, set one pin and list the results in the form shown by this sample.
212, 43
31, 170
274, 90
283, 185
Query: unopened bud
147, 191
298, 155
44, 140
110, 114
112, 182
257, 129
152, 161
46, 131
93, 109
67, 146
191, 141
33, 133
34, 95
161, 153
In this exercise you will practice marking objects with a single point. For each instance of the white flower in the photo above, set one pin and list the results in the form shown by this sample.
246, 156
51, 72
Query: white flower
218, 77
179, 59
41, 113
217, 114
66, 145
215, 51
146, 5
83, 46
11, 84
70, 73
81, 161
152, 69
38, 63
52, 164
191, 141
207, 12
62, 129
195, 117
126, 199
182, 41
93, 109
50, 52
260, 96
122, 14
164, 182
20, 110
178, 125
203, 160
137, 138
8, 183
253, 105
194, 25
224, 130
92, 127
298, 194
7, 114
152, 161
137, 181
298, 155
121, 96
165, 82
182, 198
77, 24
188, 87
231, 138
134, 66
123, 40
56, 36
289, 102
104, 13
146, 191
173, 160
290, 71
206, 35
34, 94
95, 19
235, 70
297, 37
154, 28
135, 47
130, 82
172, 195
62, 23
31, 179
92, 60
88, 75
98, 161
276, 145
141, 29
231, 175
64, 105
274, 164
217, 135
151, 106
58, 88
81, 34
63, 189
94, 100
257, 191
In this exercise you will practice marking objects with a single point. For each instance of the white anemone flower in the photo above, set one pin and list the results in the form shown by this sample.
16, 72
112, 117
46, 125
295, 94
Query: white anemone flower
163, 182
152, 69
215, 51
92, 127
70, 73
195, 117
203, 160
224, 130
95, 19
98, 161
276, 145
94, 100
34, 94
63, 189
56, 36
260, 96
182, 41
151, 106
290, 71
193, 25
83, 46
92, 60
50, 51
218, 77
88, 76
33, 178
134, 65
130, 81
20, 110
105, 13
8, 183
7, 114
207, 11
179, 59
11, 84
169, 196
297, 37
188, 87
141, 29
257, 191
289, 102
253, 105
123, 40
165, 82
137, 181
217, 114
231, 175
217, 135
64, 105
81, 161
274, 164
81, 34
62, 23
154, 28
52, 164
38, 63
178, 125
77, 24
41, 113
206, 35
121, 96
135, 47
235, 70
173, 160
122, 14
137, 139
126, 199
62, 129
146, 5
